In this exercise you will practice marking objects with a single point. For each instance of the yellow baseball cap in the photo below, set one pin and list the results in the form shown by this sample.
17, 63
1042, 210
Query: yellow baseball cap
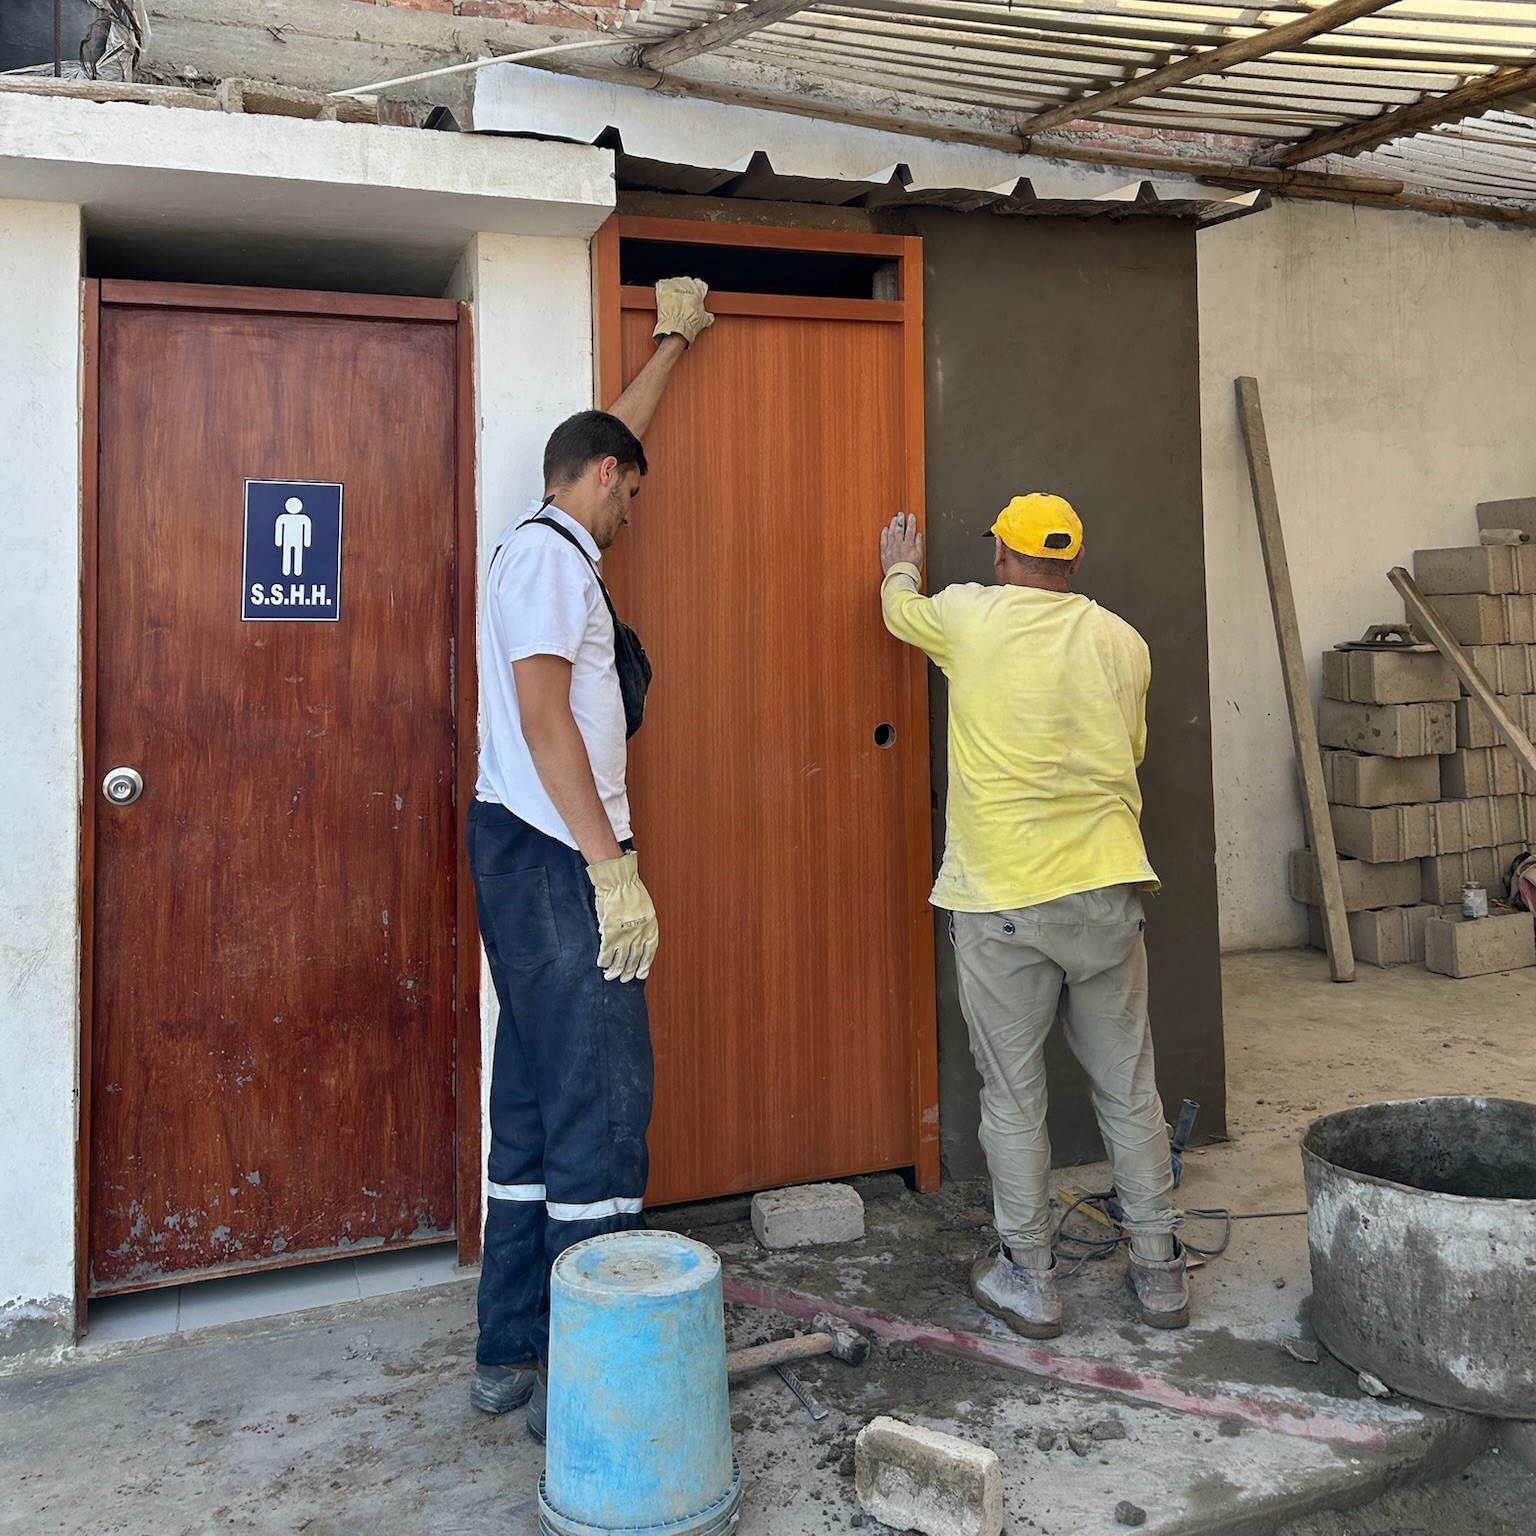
1040, 525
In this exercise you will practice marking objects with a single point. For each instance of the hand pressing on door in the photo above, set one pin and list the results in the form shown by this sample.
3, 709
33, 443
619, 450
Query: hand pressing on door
901, 543
680, 308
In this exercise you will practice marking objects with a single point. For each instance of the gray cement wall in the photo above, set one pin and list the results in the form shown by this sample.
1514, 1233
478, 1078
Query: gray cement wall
1063, 355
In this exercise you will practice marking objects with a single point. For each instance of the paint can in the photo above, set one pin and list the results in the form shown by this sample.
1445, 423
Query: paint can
1474, 900
639, 1432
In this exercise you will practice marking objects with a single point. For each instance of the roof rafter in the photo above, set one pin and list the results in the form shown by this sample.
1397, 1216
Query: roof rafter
1207, 62
719, 32
1465, 101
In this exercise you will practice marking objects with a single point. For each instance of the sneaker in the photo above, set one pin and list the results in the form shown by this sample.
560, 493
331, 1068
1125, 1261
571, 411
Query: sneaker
1162, 1289
538, 1409
1025, 1299
500, 1388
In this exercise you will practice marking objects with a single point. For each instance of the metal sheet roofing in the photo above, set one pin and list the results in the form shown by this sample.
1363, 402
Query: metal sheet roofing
1083, 71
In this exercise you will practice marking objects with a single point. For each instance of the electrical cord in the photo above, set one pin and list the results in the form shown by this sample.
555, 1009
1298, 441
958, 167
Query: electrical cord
1081, 1249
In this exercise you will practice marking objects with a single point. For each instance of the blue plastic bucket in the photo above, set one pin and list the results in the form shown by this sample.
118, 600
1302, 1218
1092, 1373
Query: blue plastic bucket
639, 1410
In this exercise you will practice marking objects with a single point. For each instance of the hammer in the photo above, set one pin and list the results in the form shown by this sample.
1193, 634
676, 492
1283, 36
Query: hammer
830, 1338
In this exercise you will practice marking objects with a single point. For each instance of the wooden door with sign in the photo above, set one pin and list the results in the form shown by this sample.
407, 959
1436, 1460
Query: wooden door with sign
780, 784
272, 962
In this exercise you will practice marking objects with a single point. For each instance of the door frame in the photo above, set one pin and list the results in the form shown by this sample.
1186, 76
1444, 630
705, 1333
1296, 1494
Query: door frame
609, 299
99, 292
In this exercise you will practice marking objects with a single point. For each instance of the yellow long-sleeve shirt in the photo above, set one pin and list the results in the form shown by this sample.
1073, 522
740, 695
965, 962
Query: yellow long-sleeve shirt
1047, 725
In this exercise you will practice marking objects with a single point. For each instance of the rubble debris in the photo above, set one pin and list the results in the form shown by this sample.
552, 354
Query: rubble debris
1127, 1513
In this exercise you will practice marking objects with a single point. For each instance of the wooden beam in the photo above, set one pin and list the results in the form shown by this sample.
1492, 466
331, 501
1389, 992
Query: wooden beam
1211, 61
1298, 695
1433, 628
1227, 172
719, 33
1468, 100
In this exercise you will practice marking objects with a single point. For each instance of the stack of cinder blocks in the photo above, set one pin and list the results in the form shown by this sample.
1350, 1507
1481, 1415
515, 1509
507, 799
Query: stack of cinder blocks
1486, 596
1424, 797
1386, 719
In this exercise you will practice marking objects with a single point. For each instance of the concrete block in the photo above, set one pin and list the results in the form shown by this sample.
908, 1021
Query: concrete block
1388, 730
1526, 715
1386, 834
1485, 822
1471, 771
1520, 618
1473, 618
1476, 568
1357, 778
1365, 885
1457, 946
806, 1215
1388, 677
1515, 512
1473, 727
915, 1479
1507, 669
1386, 937
1443, 875
1528, 820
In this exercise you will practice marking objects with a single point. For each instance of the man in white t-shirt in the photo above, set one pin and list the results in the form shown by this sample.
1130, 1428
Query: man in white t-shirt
569, 930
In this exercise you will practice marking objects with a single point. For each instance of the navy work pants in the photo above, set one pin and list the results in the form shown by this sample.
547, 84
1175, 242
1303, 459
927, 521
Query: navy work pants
571, 1078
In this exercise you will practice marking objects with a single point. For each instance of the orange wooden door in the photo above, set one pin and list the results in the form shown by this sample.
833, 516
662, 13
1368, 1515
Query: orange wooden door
785, 846
272, 1073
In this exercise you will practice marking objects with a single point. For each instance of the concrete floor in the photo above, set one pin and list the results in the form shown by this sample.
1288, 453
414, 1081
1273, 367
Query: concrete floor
353, 1418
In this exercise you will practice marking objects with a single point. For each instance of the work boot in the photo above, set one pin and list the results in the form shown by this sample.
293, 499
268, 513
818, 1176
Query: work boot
538, 1408
1161, 1288
500, 1388
1025, 1299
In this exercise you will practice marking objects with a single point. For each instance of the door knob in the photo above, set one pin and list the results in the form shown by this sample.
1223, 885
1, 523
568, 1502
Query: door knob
122, 786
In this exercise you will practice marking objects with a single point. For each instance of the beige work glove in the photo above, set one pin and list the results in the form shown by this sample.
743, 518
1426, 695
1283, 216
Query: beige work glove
680, 308
626, 919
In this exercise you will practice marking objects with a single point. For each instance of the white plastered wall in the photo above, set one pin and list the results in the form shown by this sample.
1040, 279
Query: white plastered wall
1394, 353
40, 246
532, 303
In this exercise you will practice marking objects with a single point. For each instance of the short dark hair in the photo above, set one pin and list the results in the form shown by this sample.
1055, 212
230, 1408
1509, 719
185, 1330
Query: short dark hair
1039, 565
581, 440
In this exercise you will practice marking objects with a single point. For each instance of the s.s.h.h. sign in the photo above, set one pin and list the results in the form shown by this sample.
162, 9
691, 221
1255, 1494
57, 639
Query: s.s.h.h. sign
292, 567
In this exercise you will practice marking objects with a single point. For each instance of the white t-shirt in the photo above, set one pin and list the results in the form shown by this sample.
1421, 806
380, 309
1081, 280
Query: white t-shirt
542, 599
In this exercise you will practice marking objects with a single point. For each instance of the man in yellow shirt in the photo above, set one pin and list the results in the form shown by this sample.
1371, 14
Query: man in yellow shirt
1043, 866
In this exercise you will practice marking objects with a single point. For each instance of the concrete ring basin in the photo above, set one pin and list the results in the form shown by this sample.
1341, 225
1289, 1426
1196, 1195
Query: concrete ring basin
1421, 1221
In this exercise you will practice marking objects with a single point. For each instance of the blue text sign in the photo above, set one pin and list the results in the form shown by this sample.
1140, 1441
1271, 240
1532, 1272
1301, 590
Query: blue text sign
292, 550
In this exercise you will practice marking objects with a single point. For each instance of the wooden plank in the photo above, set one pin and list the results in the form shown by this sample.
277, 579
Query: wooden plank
110, 90
1468, 100
1432, 627
1298, 696
1210, 61
822, 109
719, 33
277, 301
788, 305
468, 1036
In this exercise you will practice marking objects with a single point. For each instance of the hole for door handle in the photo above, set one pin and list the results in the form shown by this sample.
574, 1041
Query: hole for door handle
122, 786
885, 735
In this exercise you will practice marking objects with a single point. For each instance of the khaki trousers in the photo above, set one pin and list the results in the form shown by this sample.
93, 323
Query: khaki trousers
1081, 958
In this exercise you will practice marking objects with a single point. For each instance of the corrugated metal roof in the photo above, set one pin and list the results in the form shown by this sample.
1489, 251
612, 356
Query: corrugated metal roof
1007, 61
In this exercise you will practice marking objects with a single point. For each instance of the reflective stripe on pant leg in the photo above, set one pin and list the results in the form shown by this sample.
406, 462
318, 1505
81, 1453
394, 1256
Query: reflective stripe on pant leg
1008, 995
1108, 1029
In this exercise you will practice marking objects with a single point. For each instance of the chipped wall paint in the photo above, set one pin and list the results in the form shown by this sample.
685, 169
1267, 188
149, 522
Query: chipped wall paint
40, 254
